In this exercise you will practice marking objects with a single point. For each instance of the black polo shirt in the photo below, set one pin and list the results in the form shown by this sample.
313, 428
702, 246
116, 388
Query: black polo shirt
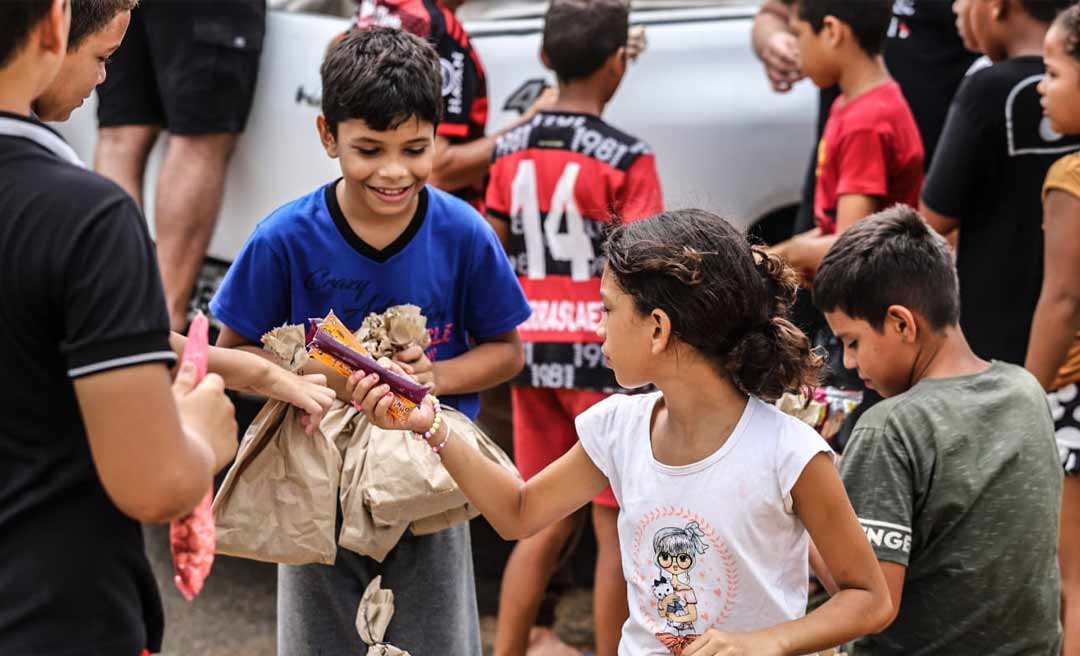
80, 294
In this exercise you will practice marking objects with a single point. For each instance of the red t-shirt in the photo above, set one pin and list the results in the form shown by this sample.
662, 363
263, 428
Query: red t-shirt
465, 109
558, 180
870, 146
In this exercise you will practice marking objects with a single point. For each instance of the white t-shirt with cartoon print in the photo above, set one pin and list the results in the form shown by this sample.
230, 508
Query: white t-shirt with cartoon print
713, 544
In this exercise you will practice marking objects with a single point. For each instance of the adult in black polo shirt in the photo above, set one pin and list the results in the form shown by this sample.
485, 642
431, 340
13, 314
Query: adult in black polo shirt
91, 437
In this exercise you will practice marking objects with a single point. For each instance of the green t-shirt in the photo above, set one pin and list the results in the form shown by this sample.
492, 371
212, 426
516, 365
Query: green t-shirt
958, 479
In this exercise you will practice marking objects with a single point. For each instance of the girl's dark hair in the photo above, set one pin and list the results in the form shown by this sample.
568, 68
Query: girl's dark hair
725, 298
382, 76
1069, 20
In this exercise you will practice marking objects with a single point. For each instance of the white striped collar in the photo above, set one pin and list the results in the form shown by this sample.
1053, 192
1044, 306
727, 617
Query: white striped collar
29, 128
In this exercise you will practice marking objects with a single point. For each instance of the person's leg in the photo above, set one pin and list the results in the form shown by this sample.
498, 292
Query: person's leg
434, 594
610, 609
130, 115
1069, 557
206, 59
316, 606
539, 439
189, 195
525, 579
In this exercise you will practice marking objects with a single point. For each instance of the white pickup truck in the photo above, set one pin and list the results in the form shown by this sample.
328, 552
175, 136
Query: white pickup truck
723, 140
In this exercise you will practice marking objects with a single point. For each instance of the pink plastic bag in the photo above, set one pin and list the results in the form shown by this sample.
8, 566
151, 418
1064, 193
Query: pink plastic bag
192, 537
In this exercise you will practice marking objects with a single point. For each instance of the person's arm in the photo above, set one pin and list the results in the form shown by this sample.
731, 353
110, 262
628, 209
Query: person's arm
156, 450
806, 251
252, 370
946, 226
1057, 315
861, 604
776, 46
515, 509
492, 361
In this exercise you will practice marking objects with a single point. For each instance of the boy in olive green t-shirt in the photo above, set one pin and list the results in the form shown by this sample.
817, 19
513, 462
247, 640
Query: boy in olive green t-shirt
955, 476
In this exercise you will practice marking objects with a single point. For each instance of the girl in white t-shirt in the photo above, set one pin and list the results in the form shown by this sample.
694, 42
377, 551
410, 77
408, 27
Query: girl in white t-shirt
717, 489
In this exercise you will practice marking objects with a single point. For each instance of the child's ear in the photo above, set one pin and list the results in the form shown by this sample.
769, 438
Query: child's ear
834, 31
901, 321
544, 59
660, 323
329, 141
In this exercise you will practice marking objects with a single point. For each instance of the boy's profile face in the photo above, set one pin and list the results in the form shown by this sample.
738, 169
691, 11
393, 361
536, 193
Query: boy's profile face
962, 9
83, 69
885, 358
817, 50
989, 26
383, 169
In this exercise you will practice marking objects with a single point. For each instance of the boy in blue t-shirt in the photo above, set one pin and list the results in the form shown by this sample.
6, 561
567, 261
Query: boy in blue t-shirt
380, 237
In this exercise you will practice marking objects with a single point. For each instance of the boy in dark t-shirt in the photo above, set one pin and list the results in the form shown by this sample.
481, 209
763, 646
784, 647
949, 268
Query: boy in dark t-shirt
555, 182
955, 476
984, 186
378, 237
870, 155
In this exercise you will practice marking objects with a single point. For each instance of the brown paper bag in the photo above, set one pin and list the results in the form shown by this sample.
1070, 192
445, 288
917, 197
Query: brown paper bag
278, 502
404, 481
373, 618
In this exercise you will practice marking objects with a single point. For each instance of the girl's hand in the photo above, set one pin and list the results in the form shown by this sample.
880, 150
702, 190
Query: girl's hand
373, 399
308, 393
716, 643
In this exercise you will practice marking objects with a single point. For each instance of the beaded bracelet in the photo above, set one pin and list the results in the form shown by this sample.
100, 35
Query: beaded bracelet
436, 424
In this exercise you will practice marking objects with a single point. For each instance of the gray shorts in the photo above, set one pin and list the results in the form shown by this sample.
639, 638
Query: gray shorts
434, 599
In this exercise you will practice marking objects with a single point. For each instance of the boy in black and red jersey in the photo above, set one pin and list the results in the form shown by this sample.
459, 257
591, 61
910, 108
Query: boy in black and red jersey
555, 182
463, 150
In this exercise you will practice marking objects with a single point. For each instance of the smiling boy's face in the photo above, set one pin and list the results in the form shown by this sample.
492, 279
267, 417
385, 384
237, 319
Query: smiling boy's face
383, 169
83, 70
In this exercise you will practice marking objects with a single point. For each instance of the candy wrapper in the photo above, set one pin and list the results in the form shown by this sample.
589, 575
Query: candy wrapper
824, 408
192, 537
330, 342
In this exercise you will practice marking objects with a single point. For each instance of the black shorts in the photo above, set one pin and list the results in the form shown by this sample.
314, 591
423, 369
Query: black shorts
187, 65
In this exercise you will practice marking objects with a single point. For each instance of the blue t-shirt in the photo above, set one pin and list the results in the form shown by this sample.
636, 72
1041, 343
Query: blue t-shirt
304, 260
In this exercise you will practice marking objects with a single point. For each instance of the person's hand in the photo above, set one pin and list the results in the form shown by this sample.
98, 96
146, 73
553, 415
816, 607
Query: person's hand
547, 99
373, 398
782, 62
308, 393
716, 643
415, 362
636, 42
206, 413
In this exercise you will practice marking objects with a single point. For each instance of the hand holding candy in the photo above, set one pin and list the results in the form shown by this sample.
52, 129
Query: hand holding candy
373, 397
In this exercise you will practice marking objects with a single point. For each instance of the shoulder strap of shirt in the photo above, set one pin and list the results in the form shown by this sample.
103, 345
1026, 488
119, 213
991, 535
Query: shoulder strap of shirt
42, 136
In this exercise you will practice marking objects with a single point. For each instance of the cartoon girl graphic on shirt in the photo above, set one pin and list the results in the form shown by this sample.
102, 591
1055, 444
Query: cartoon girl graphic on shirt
676, 551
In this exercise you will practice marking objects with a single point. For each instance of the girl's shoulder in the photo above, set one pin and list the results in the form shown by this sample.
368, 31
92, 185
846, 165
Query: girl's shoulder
616, 412
1064, 175
786, 433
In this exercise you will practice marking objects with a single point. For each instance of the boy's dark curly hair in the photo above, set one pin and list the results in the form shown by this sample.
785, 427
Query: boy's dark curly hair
725, 298
383, 77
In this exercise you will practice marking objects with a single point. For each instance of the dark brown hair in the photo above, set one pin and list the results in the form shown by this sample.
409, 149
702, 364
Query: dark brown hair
89, 16
581, 35
1069, 20
19, 19
725, 298
890, 258
383, 77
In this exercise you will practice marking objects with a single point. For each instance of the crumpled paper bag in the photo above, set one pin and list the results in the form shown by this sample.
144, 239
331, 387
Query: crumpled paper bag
278, 502
373, 618
393, 331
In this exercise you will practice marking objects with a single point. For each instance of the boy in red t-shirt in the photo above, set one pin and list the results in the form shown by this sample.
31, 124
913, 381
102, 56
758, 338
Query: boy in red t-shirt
870, 155
555, 182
